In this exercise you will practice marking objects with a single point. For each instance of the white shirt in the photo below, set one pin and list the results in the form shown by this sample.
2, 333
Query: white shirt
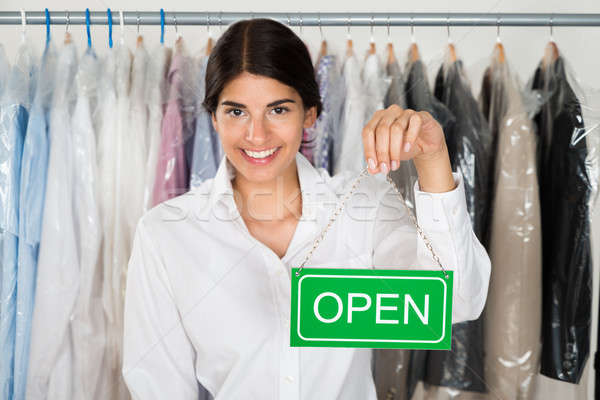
207, 302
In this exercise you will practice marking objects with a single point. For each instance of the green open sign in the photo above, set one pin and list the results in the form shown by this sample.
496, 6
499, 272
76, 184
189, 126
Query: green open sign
376, 308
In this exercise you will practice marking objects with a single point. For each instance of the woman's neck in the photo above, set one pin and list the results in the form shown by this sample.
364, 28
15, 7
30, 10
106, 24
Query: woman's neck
270, 201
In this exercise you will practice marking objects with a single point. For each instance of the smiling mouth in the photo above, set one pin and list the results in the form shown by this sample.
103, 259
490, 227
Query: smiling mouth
260, 154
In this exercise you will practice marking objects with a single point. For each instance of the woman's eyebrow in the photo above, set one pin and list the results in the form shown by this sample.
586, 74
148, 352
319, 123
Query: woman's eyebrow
273, 104
278, 102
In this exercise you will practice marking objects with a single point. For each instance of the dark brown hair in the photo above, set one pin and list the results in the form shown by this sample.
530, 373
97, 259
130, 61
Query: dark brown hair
261, 47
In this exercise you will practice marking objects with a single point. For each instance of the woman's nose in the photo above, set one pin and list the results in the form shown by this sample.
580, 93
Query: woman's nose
256, 131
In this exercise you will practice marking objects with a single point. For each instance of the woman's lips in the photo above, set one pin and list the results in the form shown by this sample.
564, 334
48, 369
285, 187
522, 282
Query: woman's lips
260, 161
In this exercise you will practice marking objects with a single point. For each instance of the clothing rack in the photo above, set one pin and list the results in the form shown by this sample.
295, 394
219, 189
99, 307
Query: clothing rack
209, 18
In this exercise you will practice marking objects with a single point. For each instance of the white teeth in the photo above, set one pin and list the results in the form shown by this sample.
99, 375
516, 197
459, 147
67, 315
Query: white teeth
260, 154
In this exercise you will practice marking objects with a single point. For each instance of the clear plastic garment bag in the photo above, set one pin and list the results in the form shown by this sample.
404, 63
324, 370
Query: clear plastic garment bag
15, 105
566, 188
87, 327
512, 318
34, 165
51, 369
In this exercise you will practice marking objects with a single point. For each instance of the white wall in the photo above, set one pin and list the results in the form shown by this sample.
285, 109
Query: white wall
524, 47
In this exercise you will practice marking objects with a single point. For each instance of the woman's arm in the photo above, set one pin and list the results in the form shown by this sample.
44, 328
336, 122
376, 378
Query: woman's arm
158, 358
395, 134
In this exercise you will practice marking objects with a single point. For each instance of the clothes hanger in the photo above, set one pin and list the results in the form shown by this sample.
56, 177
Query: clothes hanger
391, 58
323, 51
87, 27
413, 51
47, 26
179, 36
122, 25
372, 49
499, 48
140, 39
162, 26
68, 39
451, 48
349, 44
551, 53
209, 42
110, 24
23, 26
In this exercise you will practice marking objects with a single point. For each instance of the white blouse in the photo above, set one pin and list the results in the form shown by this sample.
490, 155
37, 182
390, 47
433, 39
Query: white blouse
207, 303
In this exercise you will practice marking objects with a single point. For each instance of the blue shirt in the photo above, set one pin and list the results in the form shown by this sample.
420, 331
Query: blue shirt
34, 165
13, 124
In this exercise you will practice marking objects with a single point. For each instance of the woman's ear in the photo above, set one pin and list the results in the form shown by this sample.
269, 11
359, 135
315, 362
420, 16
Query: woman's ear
214, 121
310, 116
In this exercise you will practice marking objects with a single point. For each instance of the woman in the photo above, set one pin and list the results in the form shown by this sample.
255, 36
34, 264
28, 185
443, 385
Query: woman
208, 289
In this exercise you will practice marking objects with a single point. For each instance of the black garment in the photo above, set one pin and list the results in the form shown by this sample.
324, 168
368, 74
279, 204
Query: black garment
469, 144
397, 372
415, 94
565, 190
418, 96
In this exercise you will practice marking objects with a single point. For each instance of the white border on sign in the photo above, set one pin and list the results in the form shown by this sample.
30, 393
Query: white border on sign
373, 340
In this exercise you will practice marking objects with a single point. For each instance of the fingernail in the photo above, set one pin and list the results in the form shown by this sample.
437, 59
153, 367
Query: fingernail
407, 147
384, 168
371, 163
394, 165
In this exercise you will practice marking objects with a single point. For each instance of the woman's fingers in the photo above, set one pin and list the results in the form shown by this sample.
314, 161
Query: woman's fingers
382, 144
390, 137
368, 136
396, 137
412, 132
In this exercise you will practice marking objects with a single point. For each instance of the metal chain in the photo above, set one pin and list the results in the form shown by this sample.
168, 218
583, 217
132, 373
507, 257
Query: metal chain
341, 207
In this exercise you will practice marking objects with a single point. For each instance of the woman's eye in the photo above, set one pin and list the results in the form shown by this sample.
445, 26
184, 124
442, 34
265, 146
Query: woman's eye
236, 112
280, 110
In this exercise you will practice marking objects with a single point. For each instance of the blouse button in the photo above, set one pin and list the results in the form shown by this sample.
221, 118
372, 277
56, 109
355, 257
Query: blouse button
289, 378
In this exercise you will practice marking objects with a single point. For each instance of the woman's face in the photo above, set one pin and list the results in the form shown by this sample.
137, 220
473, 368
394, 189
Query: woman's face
260, 122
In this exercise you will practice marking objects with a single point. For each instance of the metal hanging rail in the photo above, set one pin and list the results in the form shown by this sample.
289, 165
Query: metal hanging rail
306, 19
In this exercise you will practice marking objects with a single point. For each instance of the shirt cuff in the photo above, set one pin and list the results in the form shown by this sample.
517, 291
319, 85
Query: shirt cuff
441, 211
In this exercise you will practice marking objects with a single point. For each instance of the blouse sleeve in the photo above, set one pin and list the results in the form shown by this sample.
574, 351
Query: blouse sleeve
445, 221
158, 358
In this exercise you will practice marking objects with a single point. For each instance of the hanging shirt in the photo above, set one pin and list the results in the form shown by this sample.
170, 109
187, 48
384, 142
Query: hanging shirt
565, 191
348, 150
325, 129
512, 319
15, 105
376, 85
468, 142
87, 323
34, 165
121, 234
207, 146
135, 143
112, 125
395, 92
156, 95
106, 154
208, 303
50, 372
172, 173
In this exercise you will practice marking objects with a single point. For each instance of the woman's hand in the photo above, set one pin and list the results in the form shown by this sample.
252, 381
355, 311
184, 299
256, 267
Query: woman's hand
396, 134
